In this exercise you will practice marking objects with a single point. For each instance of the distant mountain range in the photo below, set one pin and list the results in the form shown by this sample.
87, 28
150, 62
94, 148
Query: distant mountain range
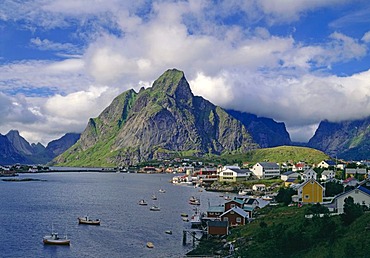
348, 140
166, 120
15, 149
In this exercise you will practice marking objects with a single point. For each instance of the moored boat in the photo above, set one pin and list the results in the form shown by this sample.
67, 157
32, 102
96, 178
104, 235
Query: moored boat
149, 245
168, 232
194, 201
162, 190
88, 221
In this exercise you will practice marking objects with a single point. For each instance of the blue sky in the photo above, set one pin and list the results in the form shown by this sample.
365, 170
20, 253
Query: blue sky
296, 61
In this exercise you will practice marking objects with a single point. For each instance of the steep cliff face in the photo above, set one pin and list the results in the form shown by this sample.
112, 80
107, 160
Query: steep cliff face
349, 140
8, 154
57, 147
265, 131
156, 123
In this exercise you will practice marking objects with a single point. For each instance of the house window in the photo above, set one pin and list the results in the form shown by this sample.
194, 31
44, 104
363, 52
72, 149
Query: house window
356, 191
232, 205
238, 220
211, 213
307, 196
231, 212
226, 219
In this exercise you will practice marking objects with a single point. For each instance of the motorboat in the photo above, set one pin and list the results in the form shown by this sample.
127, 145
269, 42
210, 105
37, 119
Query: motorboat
88, 221
149, 245
143, 202
162, 190
169, 232
154, 197
155, 208
194, 201
54, 239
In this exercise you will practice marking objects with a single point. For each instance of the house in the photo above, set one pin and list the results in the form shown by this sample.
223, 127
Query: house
264, 170
235, 216
233, 174
215, 211
355, 171
327, 175
360, 195
234, 203
326, 164
309, 174
300, 166
289, 182
259, 187
311, 192
351, 181
216, 227
289, 174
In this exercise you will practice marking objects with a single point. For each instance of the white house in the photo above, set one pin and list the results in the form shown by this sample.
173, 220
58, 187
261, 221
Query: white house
289, 174
360, 195
326, 164
266, 170
354, 171
300, 166
233, 174
259, 187
327, 175
309, 174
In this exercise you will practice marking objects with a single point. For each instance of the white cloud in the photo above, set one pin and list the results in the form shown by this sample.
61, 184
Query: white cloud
242, 66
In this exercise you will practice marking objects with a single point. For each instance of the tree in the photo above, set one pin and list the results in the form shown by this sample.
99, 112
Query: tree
285, 195
351, 211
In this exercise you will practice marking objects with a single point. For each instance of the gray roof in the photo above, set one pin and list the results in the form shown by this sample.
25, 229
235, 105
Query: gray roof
238, 210
269, 164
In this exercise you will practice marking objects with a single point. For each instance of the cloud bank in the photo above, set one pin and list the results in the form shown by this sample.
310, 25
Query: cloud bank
230, 53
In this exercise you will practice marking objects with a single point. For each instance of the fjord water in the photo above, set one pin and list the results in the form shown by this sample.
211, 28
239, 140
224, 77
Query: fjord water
29, 209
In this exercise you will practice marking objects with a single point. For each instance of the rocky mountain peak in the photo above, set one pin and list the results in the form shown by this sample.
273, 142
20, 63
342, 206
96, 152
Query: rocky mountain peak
174, 84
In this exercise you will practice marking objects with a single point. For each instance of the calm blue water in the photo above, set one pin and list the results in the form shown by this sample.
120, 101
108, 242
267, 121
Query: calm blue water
29, 209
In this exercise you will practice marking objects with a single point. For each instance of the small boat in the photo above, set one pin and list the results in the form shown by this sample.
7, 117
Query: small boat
154, 197
155, 208
88, 221
227, 198
194, 201
143, 202
185, 219
162, 190
149, 245
196, 219
54, 239
184, 215
168, 232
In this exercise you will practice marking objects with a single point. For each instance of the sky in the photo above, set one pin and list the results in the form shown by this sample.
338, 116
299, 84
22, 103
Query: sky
295, 61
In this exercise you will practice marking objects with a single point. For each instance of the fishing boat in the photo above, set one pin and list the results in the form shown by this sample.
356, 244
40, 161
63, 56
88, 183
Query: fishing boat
54, 239
194, 201
154, 197
88, 221
149, 245
162, 190
155, 208
143, 202
196, 219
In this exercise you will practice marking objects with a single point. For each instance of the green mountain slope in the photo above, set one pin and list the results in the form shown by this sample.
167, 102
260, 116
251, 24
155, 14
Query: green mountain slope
156, 123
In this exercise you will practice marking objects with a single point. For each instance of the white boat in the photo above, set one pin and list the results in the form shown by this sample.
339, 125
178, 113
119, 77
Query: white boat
143, 202
149, 245
196, 219
154, 197
155, 208
168, 232
194, 201
54, 239
162, 190
88, 221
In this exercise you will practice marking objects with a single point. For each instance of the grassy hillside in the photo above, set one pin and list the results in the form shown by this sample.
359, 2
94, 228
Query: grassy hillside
278, 154
285, 232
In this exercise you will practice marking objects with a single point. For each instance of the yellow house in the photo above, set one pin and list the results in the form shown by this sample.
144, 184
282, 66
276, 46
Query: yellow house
311, 192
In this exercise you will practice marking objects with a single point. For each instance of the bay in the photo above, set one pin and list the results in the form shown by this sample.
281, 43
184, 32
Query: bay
29, 209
